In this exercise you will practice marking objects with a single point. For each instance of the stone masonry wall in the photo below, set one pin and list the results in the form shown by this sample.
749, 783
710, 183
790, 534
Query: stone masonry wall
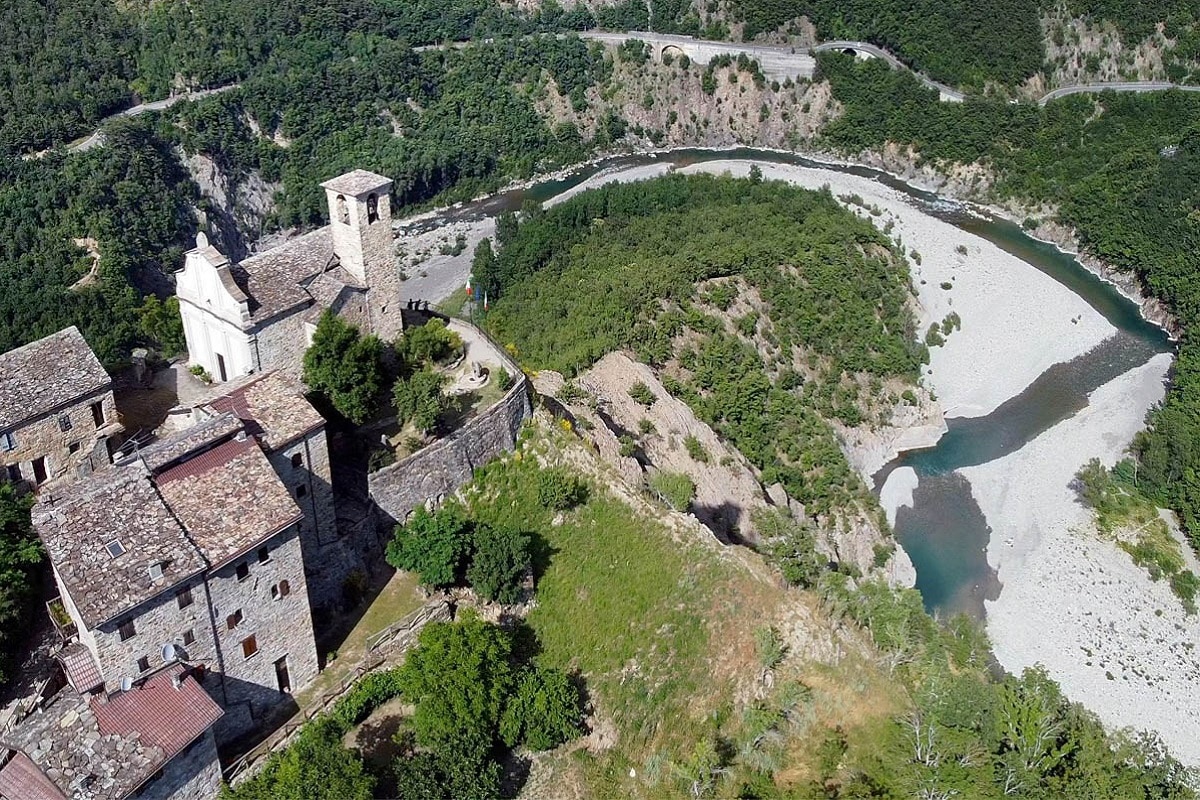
328, 556
281, 626
156, 622
194, 774
44, 438
446, 465
280, 344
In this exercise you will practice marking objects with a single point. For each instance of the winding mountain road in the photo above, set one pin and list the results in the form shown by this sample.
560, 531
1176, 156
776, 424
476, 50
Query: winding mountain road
776, 62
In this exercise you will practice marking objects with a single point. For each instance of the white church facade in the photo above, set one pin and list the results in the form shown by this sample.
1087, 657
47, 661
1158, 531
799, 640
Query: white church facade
260, 314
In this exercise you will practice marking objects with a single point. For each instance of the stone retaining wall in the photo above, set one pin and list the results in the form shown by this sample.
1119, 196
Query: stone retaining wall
440, 469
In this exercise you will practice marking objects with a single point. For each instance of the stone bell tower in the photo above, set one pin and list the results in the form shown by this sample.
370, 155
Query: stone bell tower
360, 217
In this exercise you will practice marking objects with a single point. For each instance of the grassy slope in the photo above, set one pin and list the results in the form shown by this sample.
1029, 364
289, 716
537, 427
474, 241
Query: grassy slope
660, 621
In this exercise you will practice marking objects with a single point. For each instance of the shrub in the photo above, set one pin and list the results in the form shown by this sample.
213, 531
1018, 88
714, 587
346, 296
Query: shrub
545, 711
504, 380
676, 489
419, 399
499, 564
628, 446
428, 343
432, 545
367, 695
345, 367
642, 394
695, 449
645, 426
559, 490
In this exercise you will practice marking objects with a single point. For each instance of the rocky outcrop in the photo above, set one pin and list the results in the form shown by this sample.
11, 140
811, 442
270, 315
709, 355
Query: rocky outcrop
236, 210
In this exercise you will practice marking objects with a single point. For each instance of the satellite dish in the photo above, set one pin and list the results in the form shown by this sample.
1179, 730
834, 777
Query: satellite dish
168, 652
126, 683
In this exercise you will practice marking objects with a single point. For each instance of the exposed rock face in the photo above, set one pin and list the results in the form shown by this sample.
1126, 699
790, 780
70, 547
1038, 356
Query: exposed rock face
240, 207
726, 490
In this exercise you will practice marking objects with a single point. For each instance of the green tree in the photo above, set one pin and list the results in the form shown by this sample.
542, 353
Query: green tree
459, 677
499, 563
545, 711
160, 322
345, 367
420, 345
20, 555
419, 399
317, 766
432, 545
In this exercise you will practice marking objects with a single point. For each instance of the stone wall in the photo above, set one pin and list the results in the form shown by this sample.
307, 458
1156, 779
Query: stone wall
43, 437
280, 344
444, 466
156, 622
194, 774
328, 556
281, 626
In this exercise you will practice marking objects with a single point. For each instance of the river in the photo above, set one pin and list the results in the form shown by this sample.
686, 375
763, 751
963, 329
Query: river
943, 531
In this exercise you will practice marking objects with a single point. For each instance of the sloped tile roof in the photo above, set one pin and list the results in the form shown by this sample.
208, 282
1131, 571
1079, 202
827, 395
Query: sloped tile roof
83, 672
229, 499
78, 521
204, 434
274, 280
106, 747
271, 407
20, 779
47, 374
357, 183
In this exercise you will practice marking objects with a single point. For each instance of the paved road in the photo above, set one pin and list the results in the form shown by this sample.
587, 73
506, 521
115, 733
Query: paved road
1117, 86
96, 138
777, 63
944, 92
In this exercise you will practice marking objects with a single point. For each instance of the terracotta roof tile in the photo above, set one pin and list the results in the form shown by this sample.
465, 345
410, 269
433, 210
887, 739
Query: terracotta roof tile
272, 407
109, 746
20, 779
229, 499
83, 672
78, 521
47, 374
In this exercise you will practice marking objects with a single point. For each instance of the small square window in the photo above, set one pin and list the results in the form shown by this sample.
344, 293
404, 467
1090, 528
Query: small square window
189, 637
115, 548
234, 619
144, 664
243, 571
264, 555
156, 571
64, 424
285, 588
184, 598
127, 631
301, 490
73, 447
249, 646
8, 442
297, 460
98, 413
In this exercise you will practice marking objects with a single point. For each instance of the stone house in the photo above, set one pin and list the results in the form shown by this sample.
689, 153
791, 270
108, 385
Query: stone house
190, 551
259, 315
57, 415
152, 741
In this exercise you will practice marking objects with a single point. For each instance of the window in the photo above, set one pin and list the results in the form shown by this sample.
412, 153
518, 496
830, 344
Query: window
156, 571
14, 473
39, 470
184, 597
189, 637
127, 631
234, 619
8, 442
64, 424
301, 490
372, 209
249, 646
73, 448
264, 555
243, 571
297, 460
144, 664
284, 589
275, 591
343, 210
98, 413
115, 548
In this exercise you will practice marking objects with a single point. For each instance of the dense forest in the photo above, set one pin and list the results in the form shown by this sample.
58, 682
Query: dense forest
620, 267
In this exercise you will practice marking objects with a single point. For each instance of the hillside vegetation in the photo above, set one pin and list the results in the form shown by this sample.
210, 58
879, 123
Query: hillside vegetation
619, 267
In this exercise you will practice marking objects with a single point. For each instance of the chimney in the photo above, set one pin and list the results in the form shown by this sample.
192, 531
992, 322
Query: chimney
241, 435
